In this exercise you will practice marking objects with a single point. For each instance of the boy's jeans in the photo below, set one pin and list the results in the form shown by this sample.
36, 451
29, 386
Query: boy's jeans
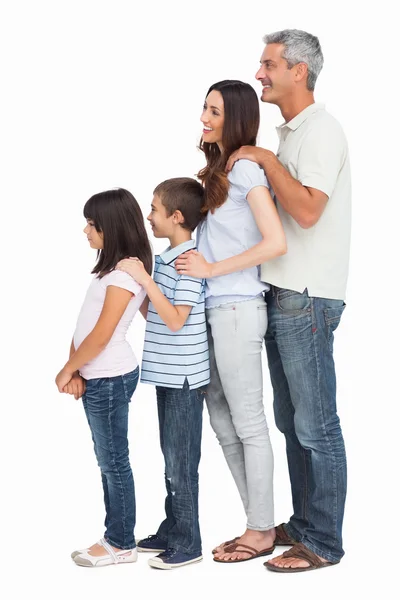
180, 420
106, 403
299, 345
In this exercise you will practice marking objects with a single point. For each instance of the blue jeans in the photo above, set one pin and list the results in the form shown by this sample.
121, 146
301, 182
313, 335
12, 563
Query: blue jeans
299, 344
106, 403
180, 414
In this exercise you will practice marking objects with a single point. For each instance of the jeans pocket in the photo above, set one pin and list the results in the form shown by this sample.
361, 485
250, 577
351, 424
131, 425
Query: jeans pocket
262, 315
130, 381
332, 316
290, 301
225, 307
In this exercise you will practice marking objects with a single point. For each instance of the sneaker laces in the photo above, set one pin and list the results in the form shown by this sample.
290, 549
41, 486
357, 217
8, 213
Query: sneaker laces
168, 553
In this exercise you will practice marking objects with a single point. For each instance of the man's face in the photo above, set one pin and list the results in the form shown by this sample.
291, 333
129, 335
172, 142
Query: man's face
277, 80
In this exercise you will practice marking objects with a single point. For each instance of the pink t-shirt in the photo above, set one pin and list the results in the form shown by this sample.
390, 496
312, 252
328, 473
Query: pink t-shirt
117, 358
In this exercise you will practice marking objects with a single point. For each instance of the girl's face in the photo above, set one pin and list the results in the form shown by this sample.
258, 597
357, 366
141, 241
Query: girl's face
95, 239
212, 118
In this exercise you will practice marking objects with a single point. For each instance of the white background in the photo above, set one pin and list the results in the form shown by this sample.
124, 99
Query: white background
101, 94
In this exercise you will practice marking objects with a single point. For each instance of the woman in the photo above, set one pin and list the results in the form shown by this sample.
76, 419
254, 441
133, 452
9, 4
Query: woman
241, 230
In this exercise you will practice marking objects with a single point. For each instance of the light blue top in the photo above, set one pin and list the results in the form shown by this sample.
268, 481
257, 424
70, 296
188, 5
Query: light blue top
171, 356
229, 231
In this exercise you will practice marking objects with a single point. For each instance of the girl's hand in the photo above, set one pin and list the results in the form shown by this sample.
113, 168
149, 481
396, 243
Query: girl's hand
194, 264
135, 268
76, 387
63, 378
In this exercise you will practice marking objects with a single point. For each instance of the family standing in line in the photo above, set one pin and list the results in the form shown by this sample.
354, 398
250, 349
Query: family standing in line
270, 262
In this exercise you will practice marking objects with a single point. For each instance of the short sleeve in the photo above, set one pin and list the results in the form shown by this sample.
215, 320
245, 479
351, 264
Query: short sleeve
122, 280
188, 291
322, 154
245, 176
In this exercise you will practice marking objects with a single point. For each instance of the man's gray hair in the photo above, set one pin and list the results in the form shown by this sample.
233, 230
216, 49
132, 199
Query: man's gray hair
300, 46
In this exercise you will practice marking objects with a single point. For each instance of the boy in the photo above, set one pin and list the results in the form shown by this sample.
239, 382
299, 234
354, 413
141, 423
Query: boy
175, 360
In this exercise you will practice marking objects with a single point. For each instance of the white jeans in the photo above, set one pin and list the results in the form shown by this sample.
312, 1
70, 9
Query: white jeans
235, 403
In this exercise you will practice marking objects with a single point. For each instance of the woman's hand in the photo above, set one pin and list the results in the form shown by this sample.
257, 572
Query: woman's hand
135, 268
194, 264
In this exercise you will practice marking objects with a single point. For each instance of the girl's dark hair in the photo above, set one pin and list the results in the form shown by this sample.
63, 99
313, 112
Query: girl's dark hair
241, 123
117, 215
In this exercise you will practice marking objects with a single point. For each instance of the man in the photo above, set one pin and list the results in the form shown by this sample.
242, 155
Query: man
310, 177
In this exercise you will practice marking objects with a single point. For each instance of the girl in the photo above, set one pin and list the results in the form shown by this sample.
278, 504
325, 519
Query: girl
103, 366
242, 230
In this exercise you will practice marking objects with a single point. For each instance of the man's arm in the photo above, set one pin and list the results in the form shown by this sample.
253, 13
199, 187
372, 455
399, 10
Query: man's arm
305, 204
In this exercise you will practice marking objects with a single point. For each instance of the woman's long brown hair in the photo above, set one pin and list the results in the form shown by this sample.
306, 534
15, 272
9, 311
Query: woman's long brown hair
241, 123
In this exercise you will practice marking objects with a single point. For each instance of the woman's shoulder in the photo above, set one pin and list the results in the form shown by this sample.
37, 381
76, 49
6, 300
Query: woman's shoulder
246, 173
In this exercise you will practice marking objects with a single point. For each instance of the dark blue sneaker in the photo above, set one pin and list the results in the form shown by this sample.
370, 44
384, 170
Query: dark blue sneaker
151, 544
171, 559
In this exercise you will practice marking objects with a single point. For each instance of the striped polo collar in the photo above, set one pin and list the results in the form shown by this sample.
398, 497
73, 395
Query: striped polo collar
170, 254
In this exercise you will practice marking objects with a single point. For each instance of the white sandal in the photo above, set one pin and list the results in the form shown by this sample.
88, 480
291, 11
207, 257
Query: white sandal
84, 559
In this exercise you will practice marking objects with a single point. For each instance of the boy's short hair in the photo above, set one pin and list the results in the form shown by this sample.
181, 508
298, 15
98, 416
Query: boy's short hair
184, 194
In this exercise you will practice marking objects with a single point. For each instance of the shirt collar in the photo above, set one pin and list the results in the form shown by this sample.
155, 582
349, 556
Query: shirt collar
171, 254
294, 123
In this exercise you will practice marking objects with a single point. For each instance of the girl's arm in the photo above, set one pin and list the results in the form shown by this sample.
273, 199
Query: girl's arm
76, 387
273, 242
173, 316
115, 303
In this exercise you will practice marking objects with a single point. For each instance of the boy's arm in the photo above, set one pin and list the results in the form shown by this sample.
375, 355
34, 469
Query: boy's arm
145, 307
115, 303
173, 316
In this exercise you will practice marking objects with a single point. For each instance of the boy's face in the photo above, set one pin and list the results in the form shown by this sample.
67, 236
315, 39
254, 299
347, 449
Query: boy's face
161, 224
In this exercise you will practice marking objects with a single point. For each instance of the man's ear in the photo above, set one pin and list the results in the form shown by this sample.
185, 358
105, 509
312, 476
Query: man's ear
178, 218
301, 71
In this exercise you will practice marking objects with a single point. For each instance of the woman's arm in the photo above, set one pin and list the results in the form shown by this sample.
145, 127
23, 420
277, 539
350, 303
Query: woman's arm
273, 242
115, 303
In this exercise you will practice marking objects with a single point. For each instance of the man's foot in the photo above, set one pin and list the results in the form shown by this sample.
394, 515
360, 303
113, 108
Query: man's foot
299, 558
171, 559
258, 540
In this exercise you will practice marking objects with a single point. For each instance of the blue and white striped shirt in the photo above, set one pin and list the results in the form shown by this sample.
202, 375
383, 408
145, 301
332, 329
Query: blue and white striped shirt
171, 356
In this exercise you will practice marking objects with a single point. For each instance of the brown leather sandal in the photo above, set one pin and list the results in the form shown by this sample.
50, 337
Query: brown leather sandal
248, 550
282, 538
224, 544
302, 552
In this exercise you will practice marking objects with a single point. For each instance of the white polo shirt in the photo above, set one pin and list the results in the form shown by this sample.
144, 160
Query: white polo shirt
313, 148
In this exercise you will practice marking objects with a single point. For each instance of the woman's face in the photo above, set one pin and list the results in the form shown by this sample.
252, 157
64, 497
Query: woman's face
212, 118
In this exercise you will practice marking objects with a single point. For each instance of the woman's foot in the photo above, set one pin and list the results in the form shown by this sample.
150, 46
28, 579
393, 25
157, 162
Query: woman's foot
259, 540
